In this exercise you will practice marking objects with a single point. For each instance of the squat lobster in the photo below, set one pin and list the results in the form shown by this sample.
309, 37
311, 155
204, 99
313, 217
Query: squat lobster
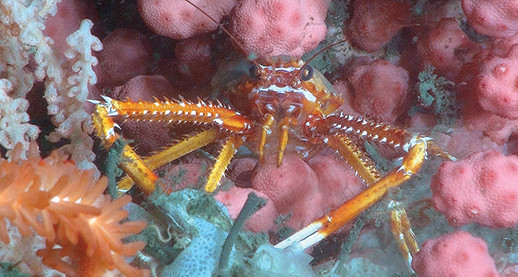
284, 100
284, 103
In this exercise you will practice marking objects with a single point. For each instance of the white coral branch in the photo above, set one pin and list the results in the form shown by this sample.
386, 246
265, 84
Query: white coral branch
66, 81
82, 42
14, 120
73, 121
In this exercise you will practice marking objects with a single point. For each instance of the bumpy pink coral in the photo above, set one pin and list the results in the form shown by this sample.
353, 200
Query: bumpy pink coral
474, 117
194, 59
496, 87
481, 188
495, 18
126, 54
293, 188
456, 254
444, 47
280, 27
179, 19
375, 22
498, 128
461, 142
306, 191
380, 90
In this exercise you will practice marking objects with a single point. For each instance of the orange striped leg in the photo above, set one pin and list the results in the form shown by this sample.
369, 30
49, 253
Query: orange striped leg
173, 111
318, 230
436, 150
375, 132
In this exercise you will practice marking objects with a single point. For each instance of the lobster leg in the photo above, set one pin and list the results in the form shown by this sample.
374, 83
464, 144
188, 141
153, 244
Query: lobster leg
172, 111
226, 154
318, 230
402, 232
399, 222
172, 153
335, 131
269, 120
371, 131
285, 127
355, 156
132, 164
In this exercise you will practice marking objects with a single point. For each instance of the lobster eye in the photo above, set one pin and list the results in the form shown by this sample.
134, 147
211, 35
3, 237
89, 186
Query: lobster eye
254, 71
306, 73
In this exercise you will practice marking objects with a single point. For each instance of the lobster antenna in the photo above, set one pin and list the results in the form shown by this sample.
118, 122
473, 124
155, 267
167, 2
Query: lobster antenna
321, 50
239, 44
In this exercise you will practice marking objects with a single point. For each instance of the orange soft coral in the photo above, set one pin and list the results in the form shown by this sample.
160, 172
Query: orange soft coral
66, 205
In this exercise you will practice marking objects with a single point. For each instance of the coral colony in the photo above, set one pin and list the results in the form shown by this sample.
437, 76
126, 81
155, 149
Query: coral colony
191, 138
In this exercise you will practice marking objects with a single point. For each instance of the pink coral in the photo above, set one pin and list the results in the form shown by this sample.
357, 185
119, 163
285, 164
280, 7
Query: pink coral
280, 27
444, 47
309, 190
337, 181
470, 92
456, 254
126, 54
461, 142
375, 22
481, 188
496, 87
181, 20
380, 90
498, 128
293, 188
495, 18
194, 59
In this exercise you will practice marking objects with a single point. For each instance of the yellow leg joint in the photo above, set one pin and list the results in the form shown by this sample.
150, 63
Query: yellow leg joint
137, 170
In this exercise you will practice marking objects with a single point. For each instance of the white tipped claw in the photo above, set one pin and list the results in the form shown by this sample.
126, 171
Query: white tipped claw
107, 104
106, 98
95, 102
